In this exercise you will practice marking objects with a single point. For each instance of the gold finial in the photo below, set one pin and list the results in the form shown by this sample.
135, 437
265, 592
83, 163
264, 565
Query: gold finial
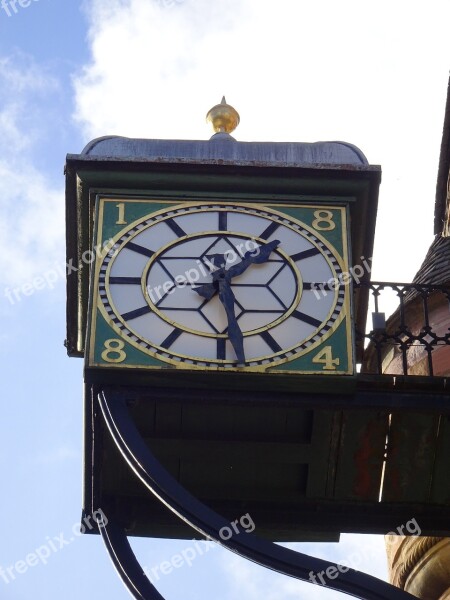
223, 117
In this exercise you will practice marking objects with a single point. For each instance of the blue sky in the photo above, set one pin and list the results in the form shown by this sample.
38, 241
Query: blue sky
71, 71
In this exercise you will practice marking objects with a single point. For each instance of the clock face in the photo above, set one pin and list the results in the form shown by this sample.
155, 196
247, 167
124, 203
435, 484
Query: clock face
222, 286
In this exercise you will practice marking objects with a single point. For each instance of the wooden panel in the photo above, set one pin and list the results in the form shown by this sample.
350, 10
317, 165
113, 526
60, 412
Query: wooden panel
167, 418
232, 452
200, 421
322, 464
245, 481
250, 422
410, 459
360, 455
440, 488
228, 451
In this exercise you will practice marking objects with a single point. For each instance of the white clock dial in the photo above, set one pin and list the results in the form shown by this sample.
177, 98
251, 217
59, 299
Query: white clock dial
151, 284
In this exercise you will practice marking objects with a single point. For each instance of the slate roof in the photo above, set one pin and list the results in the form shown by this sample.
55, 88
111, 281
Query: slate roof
444, 165
225, 149
435, 268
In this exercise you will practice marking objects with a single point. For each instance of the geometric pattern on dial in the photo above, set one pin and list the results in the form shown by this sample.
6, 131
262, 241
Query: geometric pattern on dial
130, 267
265, 294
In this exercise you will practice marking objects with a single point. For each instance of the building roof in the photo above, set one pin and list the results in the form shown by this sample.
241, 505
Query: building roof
440, 209
435, 268
223, 149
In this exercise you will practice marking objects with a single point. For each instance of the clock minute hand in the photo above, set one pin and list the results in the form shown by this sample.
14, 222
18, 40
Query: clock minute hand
250, 258
226, 296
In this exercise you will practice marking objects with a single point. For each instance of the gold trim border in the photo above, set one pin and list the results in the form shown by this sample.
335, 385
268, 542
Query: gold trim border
221, 365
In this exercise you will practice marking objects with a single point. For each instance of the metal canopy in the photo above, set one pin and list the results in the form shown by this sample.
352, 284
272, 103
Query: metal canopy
305, 465
210, 525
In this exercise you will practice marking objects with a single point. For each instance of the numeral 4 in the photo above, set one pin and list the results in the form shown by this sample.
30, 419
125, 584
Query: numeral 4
325, 358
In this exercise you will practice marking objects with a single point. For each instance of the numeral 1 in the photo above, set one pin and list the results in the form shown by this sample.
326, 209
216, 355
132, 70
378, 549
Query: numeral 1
325, 358
121, 215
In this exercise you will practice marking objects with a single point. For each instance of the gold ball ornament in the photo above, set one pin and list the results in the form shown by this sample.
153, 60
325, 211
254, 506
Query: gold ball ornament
223, 117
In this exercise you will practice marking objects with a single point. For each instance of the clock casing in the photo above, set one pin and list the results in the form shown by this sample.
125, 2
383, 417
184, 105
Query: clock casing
156, 300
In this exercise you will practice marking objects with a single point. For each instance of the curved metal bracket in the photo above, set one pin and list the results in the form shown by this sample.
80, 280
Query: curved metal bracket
207, 522
125, 562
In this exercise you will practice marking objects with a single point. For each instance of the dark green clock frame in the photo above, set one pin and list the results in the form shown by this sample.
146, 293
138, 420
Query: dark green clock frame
86, 177
331, 354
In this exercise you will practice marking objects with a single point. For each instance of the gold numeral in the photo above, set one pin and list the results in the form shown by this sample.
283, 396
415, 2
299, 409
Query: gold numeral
121, 215
324, 220
114, 347
325, 358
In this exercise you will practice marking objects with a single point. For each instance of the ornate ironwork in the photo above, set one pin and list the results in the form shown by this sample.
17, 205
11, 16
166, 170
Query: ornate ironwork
406, 342
209, 524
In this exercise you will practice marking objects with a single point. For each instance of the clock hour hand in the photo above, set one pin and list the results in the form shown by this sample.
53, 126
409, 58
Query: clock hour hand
257, 256
207, 290
226, 296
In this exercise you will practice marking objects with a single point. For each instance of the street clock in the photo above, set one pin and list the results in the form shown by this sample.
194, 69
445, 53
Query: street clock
210, 293
210, 296
221, 285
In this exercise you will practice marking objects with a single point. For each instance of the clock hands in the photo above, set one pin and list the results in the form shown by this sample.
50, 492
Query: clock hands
259, 255
226, 296
221, 283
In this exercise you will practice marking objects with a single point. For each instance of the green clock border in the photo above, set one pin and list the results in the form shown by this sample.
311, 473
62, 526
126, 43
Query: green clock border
302, 365
103, 230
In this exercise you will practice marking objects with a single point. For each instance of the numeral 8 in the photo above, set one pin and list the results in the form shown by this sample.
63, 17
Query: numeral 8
117, 349
323, 216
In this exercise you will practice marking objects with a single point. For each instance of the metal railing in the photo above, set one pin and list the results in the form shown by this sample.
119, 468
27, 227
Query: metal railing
410, 341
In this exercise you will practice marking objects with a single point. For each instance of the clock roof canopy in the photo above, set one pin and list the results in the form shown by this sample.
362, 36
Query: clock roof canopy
223, 149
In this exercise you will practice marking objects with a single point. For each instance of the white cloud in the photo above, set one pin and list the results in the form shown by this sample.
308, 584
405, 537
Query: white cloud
32, 209
148, 69
33, 232
27, 77
24, 87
